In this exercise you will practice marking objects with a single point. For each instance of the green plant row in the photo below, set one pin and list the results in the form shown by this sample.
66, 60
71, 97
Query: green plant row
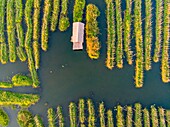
2, 20
148, 34
91, 112
3, 53
129, 116
165, 67
92, 31
4, 118
60, 116
11, 30
158, 30
110, 34
18, 21
102, 115
139, 44
161, 117
23, 100
51, 117
154, 116
45, 24
119, 46
55, 14
21, 54
73, 114
81, 107
6, 85
25, 119
146, 118
36, 32
120, 116
168, 117
138, 115
64, 20
79, 6
38, 121
110, 122
127, 32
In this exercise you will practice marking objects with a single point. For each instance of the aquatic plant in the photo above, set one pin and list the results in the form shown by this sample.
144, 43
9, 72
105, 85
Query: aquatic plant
139, 44
129, 116
55, 14
36, 52
73, 114
110, 59
60, 116
161, 117
28, 38
110, 122
4, 118
119, 45
6, 85
167, 114
25, 118
11, 98
148, 34
81, 107
45, 24
102, 114
3, 53
64, 20
165, 67
154, 117
91, 113
38, 121
2, 20
127, 32
138, 115
120, 116
21, 80
51, 117
79, 6
21, 54
92, 31
11, 30
158, 30
146, 118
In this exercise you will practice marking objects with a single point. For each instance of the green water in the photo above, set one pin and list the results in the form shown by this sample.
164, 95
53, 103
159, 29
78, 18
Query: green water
67, 75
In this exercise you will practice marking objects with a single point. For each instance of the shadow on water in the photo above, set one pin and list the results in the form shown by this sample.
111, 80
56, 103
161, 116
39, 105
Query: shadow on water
66, 76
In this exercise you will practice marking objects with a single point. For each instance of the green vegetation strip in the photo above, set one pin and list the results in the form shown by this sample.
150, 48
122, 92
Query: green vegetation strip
110, 34
6, 85
23, 100
51, 117
120, 117
60, 116
146, 118
148, 33
25, 119
21, 54
127, 32
2, 20
110, 122
129, 116
45, 24
55, 14
81, 107
3, 53
73, 114
168, 117
92, 31
31, 66
154, 117
38, 121
165, 49
36, 52
158, 30
119, 46
4, 118
138, 115
79, 6
161, 117
139, 44
102, 115
64, 20
11, 30
91, 112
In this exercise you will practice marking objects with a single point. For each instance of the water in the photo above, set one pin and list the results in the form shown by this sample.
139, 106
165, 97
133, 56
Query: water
67, 75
